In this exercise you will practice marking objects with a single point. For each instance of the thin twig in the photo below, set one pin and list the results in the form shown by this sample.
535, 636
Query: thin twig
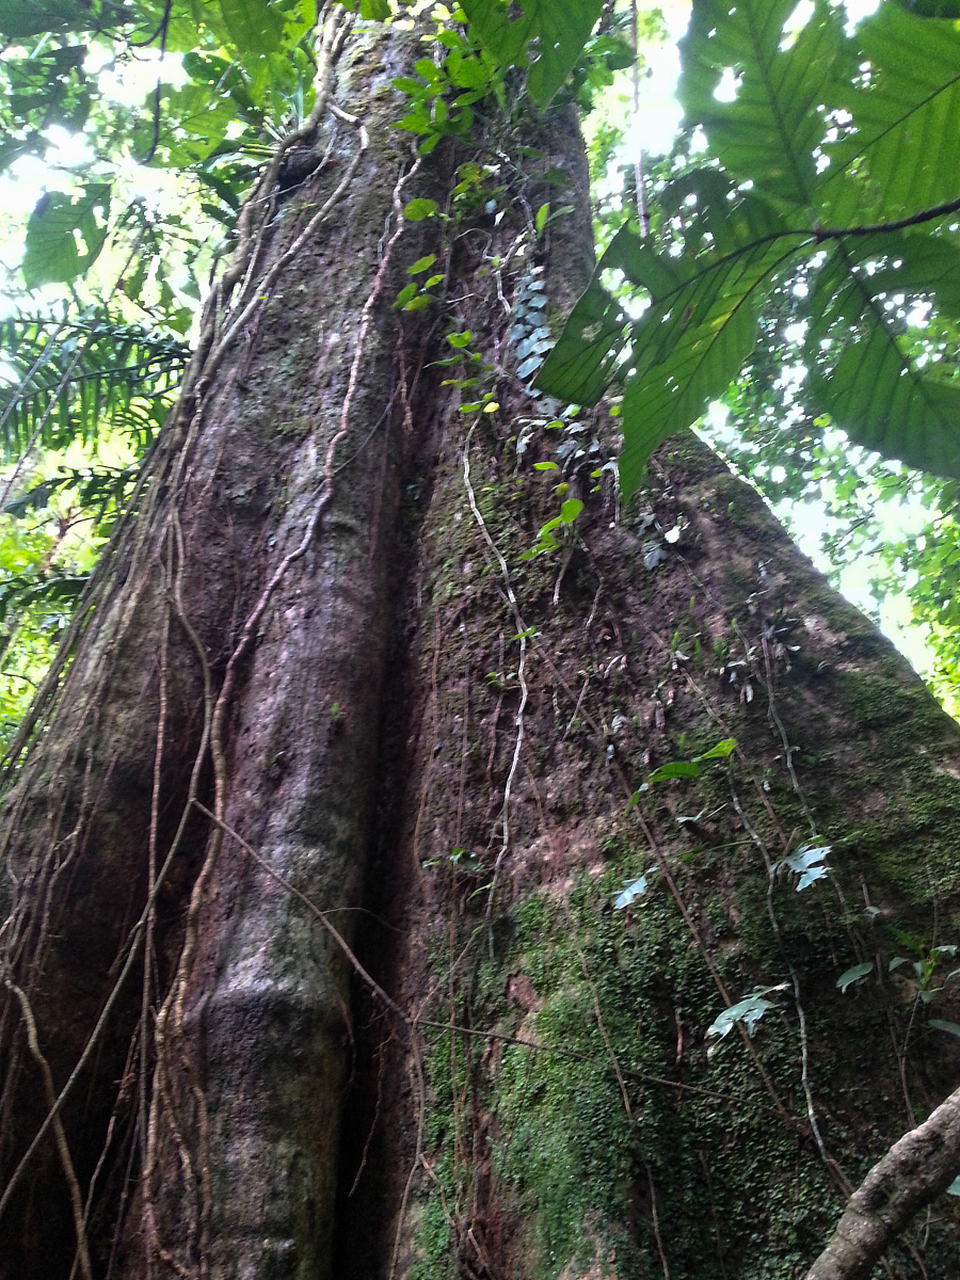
656, 1223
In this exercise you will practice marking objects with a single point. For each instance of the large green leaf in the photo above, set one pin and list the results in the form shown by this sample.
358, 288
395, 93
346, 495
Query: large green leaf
584, 359
690, 345
862, 278
193, 125
885, 403
932, 8
768, 133
554, 30
20, 19
904, 139
52, 254
873, 388
824, 129
254, 27
698, 329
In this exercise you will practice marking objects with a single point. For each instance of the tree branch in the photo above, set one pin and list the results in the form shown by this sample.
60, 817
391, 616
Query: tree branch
914, 1171
877, 228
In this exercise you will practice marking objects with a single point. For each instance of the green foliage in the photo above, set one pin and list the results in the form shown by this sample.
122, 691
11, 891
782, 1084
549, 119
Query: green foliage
557, 30
684, 768
46, 88
925, 962
772, 127
417, 210
836, 160
79, 402
245, 65
547, 537
441, 98
82, 379
51, 255
547, 38
903, 146
882, 524
854, 974
50, 537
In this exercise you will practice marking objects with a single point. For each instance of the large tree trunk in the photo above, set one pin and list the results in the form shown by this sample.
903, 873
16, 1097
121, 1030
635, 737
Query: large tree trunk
318, 678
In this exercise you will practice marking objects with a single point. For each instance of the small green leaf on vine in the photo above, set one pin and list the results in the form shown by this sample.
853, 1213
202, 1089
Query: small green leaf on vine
854, 974
417, 210
676, 769
749, 1011
633, 890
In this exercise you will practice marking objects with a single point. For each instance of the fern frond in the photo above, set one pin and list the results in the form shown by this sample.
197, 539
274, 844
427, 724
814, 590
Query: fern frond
74, 380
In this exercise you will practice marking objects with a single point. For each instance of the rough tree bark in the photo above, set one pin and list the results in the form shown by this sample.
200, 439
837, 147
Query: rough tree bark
234, 659
314, 650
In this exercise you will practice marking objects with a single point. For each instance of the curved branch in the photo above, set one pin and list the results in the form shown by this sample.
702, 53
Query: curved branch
878, 228
914, 1171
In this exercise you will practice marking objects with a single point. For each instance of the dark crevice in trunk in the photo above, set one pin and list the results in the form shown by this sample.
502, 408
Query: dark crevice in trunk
375, 1153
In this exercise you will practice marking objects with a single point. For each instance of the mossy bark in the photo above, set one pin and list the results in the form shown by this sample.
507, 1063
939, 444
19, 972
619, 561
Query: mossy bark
624, 1139
470, 730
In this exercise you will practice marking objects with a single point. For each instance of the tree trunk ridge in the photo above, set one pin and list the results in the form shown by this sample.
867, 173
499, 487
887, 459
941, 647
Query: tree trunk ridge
240, 1158
401, 723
